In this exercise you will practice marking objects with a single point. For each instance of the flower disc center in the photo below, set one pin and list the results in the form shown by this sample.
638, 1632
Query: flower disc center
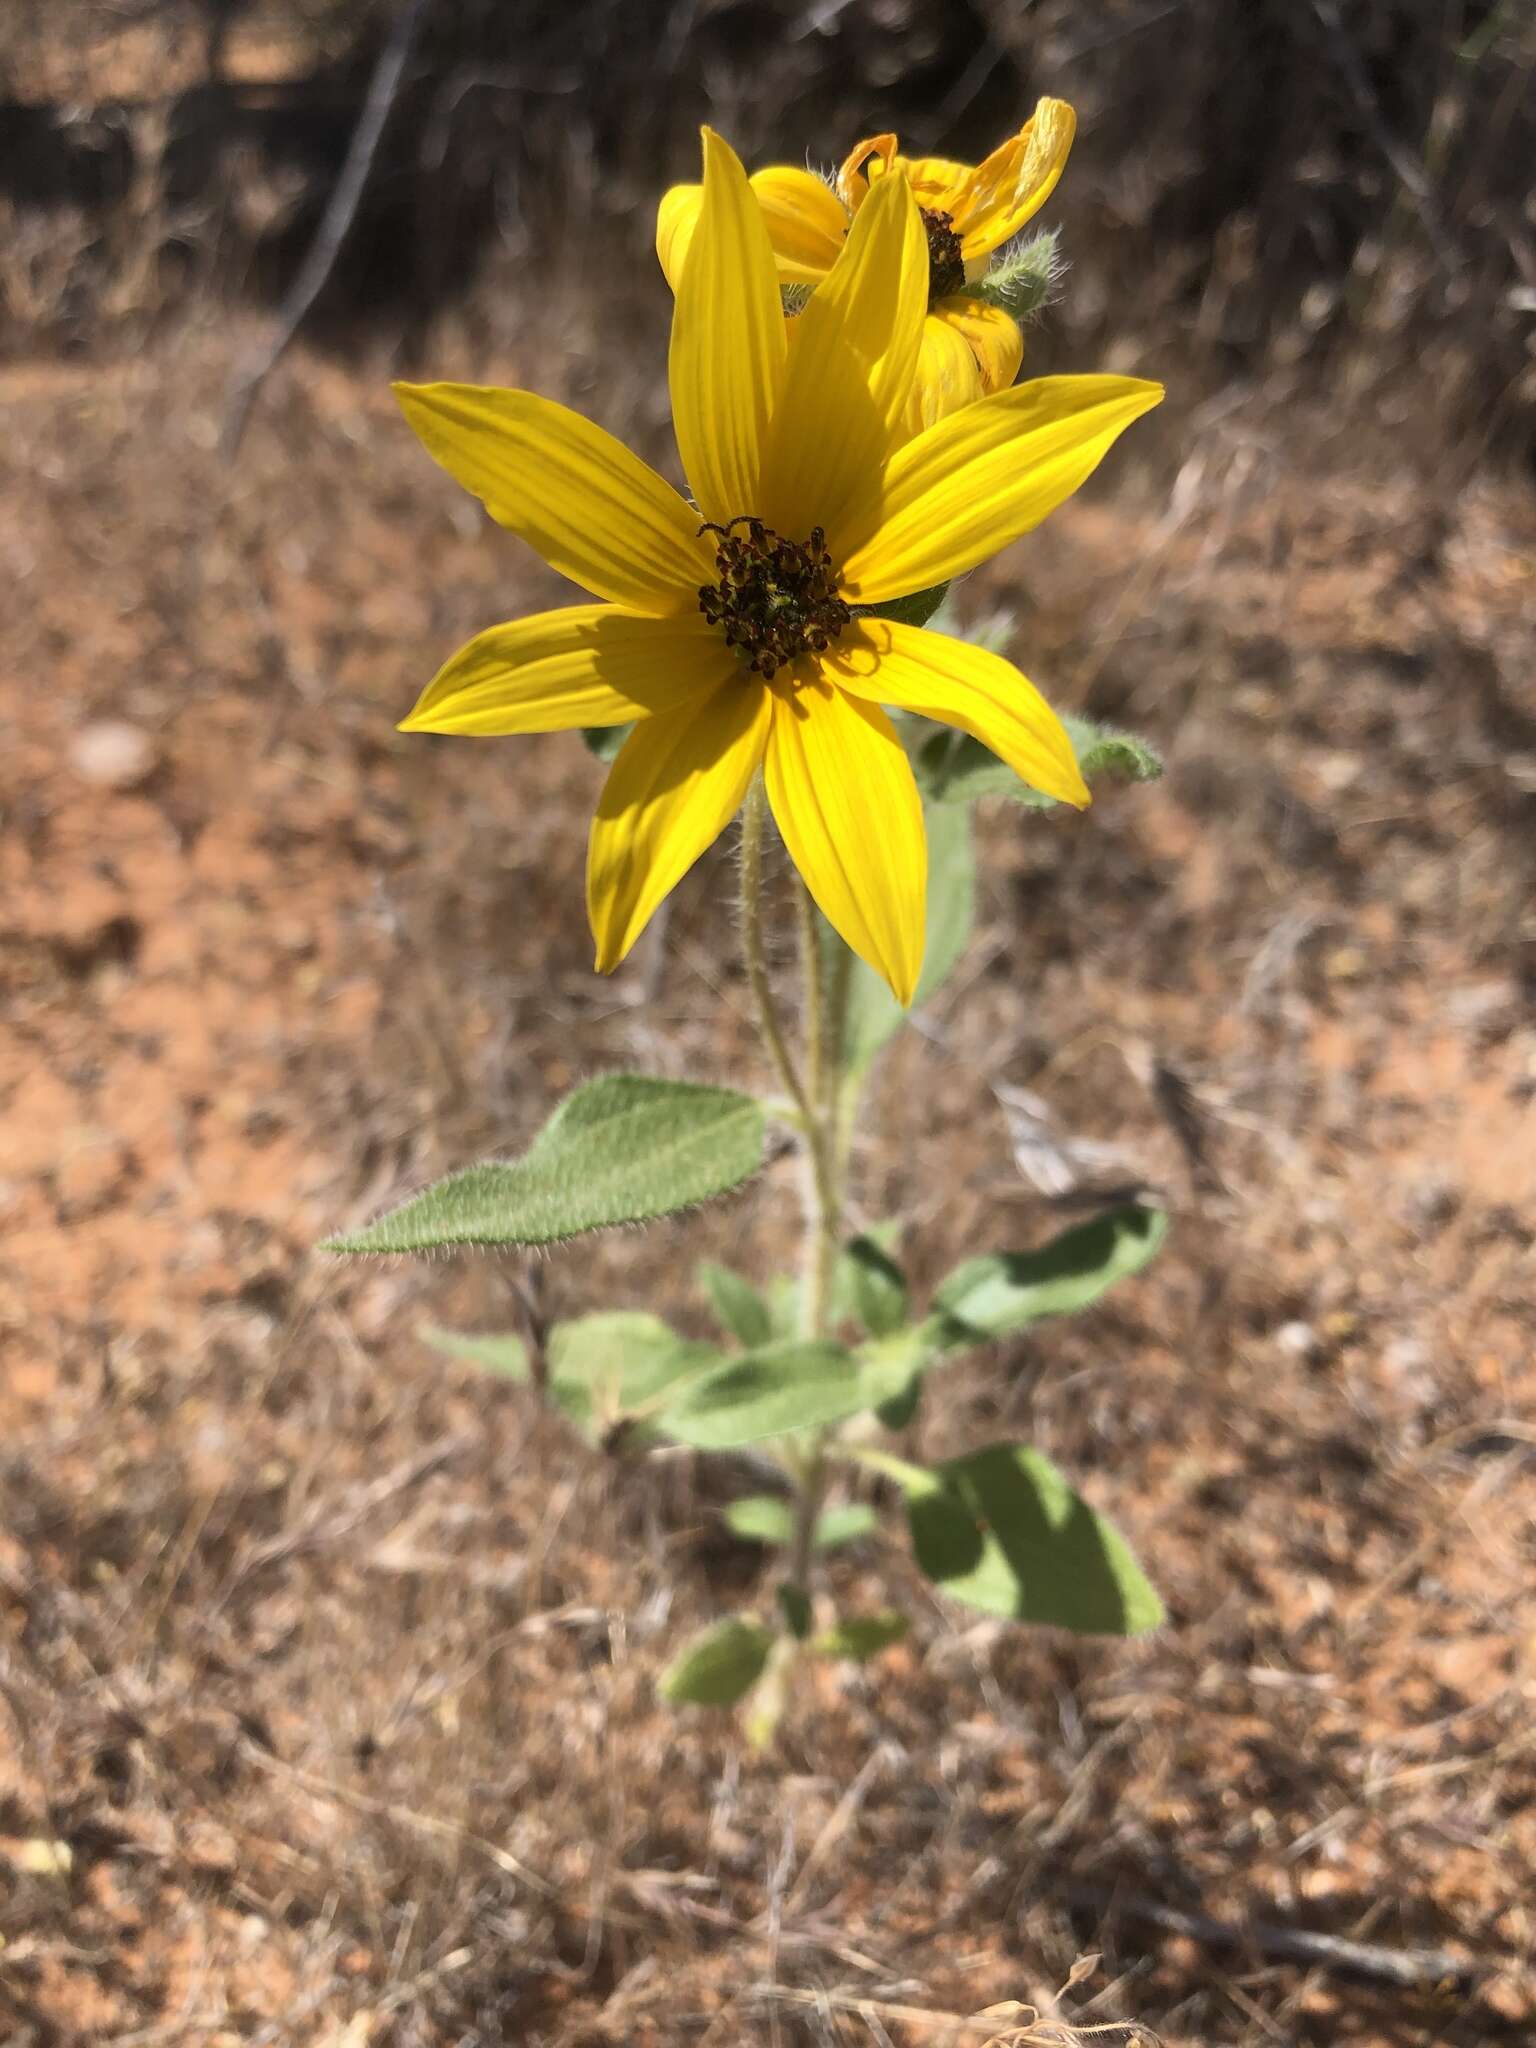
776, 598
946, 265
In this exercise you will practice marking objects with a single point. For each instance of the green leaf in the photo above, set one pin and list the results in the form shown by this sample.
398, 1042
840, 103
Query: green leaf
505, 1355
719, 1666
770, 1392
879, 1286
952, 768
837, 1526
891, 1372
916, 609
795, 1606
620, 1150
863, 1636
1004, 1293
619, 1363
605, 740
738, 1306
762, 1518
874, 1016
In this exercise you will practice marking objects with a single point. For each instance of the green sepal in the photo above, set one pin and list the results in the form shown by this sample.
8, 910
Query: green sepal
1023, 279
739, 1307
1001, 1294
952, 768
1002, 1531
863, 1636
622, 1149
605, 740
915, 609
718, 1667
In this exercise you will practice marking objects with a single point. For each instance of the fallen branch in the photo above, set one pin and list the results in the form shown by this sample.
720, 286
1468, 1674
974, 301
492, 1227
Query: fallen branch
335, 225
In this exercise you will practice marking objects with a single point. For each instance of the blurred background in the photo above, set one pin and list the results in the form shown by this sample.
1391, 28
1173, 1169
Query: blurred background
326, 1709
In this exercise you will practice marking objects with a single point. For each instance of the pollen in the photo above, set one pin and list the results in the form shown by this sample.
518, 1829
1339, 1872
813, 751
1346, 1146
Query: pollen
946, 265
776, 598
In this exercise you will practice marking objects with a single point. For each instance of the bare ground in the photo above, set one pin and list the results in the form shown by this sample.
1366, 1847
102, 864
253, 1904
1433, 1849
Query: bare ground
328, 1710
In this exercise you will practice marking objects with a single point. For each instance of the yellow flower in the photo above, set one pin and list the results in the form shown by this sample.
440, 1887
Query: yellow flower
969, 346
727, 631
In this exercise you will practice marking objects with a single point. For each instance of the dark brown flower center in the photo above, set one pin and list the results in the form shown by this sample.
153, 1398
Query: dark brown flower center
946, 265
776, 598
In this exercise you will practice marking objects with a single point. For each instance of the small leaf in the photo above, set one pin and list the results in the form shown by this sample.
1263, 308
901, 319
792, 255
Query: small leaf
879, 1287
795, 1606
953, 769
719, 1666
619, 1363
891, 1370
622, 1149
505, 1355
770, 1392
916, 609
874, 1016
737, 1304
1002, 1531
605, 740
762, 1518
863, 1636
1004, 1293
837, 1526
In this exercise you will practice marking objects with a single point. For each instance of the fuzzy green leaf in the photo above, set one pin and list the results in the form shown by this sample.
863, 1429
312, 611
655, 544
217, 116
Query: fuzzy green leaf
738, 1306
506, 1355
848, 1524
879, 1286
862, 1636
874, 1016
1002, 1531
999, 1295
916, 609
719, 1666
891, 1370
953, 769
620, 1363
762, 1518
770, 1392
622, 1149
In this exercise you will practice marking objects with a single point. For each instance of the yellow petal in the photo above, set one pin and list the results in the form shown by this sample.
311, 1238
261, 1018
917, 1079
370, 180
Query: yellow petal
595, 512
726, 364
1016, 180
968, 486
591, 664
993, 337
677, 783
852, 354
947, 377
807, 224
676, 218
938, 184
866, 160
847, 805
885, 662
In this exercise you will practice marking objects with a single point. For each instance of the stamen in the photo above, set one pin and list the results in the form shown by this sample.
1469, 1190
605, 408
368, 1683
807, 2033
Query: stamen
776, 598
946, 265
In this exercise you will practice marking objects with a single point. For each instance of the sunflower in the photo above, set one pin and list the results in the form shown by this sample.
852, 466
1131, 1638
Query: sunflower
970, 346
728, 628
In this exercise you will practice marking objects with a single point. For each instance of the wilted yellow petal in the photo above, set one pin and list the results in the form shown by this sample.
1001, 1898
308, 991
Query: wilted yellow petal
677, 783
726, 364
988, 473
866, 160
593, 510
590, 664
992, 334
1016, 180
946, 378
846, 803
852, 353
886, 662
938, 184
